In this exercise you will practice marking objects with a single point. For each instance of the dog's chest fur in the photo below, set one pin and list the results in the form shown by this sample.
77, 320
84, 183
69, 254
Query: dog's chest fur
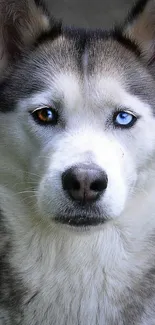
82, 280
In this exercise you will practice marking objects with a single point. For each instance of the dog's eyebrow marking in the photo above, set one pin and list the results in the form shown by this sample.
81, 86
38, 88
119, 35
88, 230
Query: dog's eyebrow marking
40, 98
64, 88
111, 92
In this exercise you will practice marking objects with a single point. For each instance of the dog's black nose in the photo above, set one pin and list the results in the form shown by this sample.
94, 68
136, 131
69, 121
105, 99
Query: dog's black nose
84, 183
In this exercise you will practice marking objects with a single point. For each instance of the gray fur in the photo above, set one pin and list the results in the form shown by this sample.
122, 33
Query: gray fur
50, 273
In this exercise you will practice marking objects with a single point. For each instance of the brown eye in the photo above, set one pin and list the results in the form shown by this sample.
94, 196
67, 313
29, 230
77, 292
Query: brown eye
45, 115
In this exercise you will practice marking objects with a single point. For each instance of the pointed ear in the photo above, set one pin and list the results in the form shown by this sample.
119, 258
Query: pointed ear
21, 22
140, 28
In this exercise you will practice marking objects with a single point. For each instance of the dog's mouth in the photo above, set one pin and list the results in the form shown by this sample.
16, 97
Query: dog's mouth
80, 221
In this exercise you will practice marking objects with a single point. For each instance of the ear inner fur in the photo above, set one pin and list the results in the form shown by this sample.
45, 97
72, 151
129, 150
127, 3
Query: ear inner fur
140, 28
21, 22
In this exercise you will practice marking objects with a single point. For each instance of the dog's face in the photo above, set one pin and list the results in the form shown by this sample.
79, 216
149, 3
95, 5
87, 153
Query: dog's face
77, 123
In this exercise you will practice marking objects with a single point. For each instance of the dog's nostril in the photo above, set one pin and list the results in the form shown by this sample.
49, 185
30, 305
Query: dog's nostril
75, 185
99, 185
70, 181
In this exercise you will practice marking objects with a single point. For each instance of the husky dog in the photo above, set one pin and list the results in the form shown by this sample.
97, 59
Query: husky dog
77, 169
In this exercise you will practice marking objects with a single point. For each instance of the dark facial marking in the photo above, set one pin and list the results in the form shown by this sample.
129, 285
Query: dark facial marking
49, 36
126, 42
41, 4
136, 11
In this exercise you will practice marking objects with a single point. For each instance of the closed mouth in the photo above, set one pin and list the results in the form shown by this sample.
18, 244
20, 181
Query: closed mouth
80, 221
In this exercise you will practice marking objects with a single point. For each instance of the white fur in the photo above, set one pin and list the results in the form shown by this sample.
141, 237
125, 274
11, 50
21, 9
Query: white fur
79, 274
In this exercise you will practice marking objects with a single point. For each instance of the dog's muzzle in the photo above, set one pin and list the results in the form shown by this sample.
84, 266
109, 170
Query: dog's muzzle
84, 185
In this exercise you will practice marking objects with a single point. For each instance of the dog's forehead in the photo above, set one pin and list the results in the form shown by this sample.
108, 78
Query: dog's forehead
93, 55
101, 70
75, 72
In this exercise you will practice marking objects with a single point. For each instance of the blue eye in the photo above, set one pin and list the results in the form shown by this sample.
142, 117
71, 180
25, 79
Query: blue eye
124, 119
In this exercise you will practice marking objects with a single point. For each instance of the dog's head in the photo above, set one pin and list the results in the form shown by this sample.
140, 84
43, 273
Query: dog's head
77, 124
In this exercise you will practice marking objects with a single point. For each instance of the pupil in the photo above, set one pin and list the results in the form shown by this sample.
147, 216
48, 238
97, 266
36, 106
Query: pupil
47, 114
123, 115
